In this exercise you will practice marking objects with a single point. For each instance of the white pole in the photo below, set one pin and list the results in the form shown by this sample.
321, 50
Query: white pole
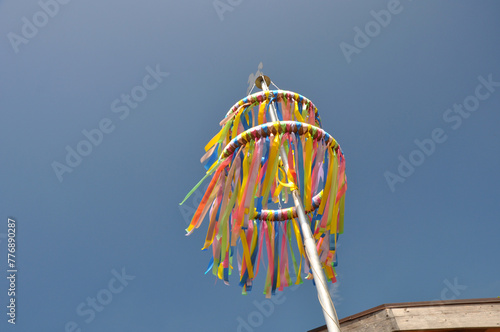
332, 322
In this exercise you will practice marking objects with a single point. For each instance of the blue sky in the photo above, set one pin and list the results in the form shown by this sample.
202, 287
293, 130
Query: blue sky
409, 89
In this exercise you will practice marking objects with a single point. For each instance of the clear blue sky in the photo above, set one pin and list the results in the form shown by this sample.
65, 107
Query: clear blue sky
417, 73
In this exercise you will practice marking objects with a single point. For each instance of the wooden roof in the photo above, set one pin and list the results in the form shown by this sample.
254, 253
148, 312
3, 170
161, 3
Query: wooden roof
478, 315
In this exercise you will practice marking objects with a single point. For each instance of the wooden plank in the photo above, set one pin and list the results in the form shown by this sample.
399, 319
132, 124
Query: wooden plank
450, 316
380, 321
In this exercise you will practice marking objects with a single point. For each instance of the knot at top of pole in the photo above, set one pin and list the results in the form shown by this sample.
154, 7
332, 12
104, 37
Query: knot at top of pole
258, 81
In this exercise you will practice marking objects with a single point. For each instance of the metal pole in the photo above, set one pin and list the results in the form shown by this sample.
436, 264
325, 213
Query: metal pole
331, 319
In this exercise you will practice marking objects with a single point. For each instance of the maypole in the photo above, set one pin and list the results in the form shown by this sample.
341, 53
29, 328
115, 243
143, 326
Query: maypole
253, 163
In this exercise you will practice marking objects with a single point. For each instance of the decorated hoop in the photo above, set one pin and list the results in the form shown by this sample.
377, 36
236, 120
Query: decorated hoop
253, 110
280, 96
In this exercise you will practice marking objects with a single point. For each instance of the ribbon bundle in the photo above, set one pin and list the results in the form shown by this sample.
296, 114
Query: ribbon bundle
248, 179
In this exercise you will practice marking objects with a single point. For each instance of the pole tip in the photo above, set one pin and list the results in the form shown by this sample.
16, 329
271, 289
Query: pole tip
258, 81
